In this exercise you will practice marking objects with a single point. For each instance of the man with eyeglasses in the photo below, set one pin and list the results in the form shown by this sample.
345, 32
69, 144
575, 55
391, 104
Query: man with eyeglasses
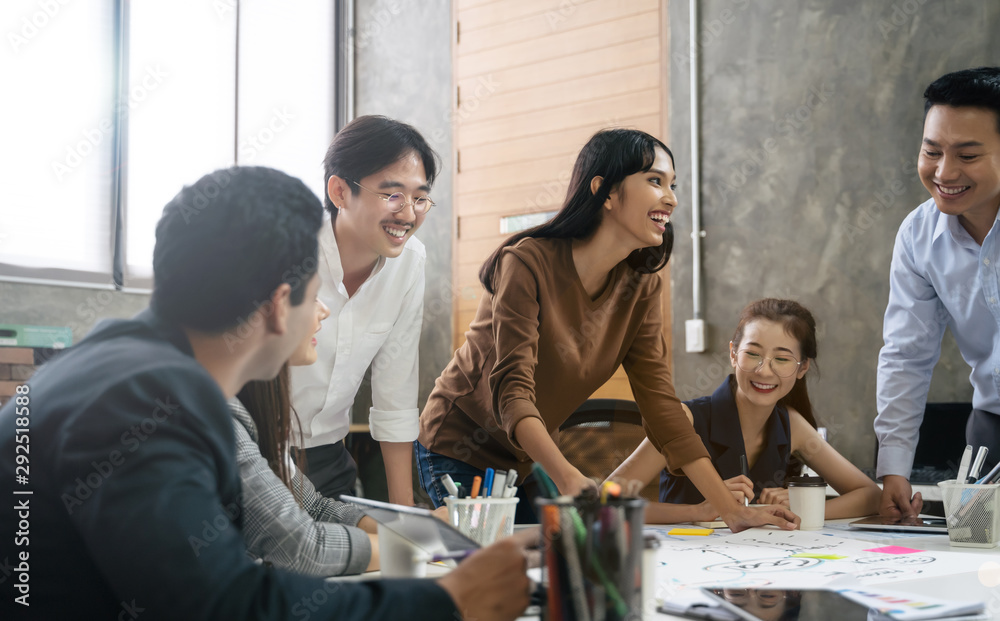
378, 176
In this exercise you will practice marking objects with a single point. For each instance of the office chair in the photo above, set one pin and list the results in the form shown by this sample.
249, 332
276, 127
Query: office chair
600, 434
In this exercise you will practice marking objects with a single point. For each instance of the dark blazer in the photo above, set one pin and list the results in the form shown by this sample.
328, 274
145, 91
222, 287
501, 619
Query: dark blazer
718, 423
134, 511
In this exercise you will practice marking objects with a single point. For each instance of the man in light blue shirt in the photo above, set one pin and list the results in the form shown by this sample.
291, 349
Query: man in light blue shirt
944, 274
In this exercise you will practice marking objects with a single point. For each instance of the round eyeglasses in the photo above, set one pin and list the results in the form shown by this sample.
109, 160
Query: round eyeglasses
396, 201
751, 362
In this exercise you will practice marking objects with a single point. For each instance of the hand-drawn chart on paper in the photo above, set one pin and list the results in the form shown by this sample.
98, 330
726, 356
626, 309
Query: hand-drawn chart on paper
772, 558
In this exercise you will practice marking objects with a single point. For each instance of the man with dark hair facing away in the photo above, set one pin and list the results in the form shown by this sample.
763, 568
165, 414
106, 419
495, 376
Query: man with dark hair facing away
133, 496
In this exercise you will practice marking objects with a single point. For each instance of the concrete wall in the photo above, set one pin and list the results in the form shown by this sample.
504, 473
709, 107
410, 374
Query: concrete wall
811, 121
76, 307
403, 70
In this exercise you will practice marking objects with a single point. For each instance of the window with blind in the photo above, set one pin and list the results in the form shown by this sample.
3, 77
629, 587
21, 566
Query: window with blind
115, 105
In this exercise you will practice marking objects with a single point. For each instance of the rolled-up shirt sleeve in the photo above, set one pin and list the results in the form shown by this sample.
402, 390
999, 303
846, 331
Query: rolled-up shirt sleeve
663, 418
515, 333
914, 324
394, 416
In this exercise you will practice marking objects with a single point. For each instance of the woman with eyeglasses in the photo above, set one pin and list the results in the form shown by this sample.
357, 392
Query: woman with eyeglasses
762, 411
566, 304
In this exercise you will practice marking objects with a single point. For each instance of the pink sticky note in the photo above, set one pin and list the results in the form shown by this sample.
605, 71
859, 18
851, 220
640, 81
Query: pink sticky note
893, 550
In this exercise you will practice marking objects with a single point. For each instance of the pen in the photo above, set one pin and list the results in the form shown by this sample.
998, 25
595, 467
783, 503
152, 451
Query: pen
476, 482
488, 482
510, 485
549, 488
449, 485
452, 556
963, 465
991, 475
977, 463
499, 481
612, 489
745, 467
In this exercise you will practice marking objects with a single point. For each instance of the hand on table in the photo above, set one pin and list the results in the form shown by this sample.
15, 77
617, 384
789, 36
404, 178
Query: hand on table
575, 483
774, 496
748, 517
740, 486
493, 583
896, 500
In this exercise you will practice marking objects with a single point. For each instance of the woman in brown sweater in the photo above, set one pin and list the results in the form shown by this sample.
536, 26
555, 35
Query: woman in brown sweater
566, 303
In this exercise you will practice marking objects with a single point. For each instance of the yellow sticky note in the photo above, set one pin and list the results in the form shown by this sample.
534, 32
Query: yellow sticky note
691, 531
825, 557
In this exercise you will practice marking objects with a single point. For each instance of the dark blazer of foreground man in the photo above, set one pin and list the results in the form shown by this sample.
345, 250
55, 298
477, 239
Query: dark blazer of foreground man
134, 510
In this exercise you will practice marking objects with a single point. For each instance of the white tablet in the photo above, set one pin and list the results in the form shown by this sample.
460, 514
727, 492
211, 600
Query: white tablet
924, 524
418, 526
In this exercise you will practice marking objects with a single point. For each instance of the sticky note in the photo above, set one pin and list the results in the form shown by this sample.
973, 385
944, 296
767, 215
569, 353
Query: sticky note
691, 531
825, 557
893, 550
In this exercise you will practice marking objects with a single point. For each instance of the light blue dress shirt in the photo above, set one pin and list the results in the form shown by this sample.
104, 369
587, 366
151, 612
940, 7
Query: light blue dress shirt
940, 277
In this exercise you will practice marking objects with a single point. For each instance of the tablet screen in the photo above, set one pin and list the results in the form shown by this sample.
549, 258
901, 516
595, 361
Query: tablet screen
921, 524
418, 526
792, 605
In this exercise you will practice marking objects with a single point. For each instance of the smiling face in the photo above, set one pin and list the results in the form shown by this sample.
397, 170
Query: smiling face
365, 217
300, 325
641, 205
959, 164
305, 353
768, 340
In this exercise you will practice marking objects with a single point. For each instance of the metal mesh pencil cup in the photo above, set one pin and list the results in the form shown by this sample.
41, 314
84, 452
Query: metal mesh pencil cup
483, 519
973, 513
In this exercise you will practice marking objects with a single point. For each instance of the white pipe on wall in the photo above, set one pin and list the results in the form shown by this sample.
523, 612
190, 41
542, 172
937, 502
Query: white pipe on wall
695, 327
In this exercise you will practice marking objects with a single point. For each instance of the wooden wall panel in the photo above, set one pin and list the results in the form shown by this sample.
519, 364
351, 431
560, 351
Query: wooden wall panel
594, 114
557, 45
516, 103
566, 142
582, 63
504, 34
534, 79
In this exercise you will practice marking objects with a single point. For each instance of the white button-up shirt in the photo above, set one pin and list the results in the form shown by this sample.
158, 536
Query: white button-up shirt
940, 277
379, 327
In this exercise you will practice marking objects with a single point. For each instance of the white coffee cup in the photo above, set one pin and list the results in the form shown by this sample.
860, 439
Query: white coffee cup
398, 557
807, 499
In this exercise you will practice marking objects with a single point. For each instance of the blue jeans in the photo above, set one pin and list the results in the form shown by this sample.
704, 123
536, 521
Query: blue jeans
432, 466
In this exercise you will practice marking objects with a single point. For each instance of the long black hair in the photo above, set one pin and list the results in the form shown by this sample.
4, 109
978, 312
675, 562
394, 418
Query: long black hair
611, 154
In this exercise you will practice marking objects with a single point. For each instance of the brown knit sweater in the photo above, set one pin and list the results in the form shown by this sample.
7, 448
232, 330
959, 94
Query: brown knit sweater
540, 347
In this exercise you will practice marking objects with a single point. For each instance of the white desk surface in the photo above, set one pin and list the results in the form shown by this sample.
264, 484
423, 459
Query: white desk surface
962, 586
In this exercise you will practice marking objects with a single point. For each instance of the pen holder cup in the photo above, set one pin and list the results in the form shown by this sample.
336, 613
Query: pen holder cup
483, 519
973, 513
593, 558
